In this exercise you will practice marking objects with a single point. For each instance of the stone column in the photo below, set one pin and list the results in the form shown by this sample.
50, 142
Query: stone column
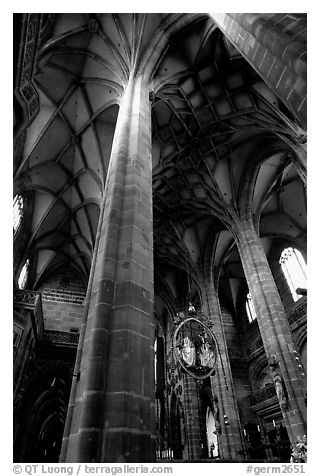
274, 328
229, 437
113, 414
192, 417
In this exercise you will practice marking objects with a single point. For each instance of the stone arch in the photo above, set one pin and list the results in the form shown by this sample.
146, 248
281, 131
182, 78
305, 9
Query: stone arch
268, 145
260, 375
176, 430
42, 413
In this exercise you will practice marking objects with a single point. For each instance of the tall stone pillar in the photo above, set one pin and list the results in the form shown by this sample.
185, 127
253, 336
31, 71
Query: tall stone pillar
229, 434
192, 417
274, 328
112, 418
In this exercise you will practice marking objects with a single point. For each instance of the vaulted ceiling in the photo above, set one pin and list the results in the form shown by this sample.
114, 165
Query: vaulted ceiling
211, 115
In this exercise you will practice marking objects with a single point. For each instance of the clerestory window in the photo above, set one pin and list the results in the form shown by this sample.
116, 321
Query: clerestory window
23, 275
251, 313
17, 212
294, 268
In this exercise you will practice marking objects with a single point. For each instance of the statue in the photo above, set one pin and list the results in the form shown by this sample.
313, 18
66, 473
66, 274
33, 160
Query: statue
188, 352
206, 354
278, 383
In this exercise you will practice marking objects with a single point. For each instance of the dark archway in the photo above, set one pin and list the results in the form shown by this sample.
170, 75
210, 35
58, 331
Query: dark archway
176, 437
42, 414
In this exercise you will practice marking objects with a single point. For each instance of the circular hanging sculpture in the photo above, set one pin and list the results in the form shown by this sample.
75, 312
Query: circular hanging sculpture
195, 348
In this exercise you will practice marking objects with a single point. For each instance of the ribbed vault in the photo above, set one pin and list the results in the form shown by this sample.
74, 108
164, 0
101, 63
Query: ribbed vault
211, 113
214, 122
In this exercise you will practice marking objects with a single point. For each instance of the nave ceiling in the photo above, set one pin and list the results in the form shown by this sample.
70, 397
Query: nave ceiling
212, 118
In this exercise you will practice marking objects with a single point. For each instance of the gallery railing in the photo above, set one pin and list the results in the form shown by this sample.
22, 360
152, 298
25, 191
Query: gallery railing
262, 395
298, 311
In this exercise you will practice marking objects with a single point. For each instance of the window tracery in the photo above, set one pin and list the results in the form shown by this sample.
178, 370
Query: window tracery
23, 275
294, 269
251, 313
17, 212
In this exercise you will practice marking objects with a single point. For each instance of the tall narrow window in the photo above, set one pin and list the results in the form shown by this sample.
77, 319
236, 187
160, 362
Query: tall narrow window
295, 270
17, 212
155, 361
23, 275
251, 313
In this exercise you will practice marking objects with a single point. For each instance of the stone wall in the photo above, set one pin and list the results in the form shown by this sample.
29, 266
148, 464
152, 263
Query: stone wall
62, 301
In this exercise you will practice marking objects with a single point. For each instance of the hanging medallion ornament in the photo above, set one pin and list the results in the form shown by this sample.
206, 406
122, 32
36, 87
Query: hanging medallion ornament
195, 348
